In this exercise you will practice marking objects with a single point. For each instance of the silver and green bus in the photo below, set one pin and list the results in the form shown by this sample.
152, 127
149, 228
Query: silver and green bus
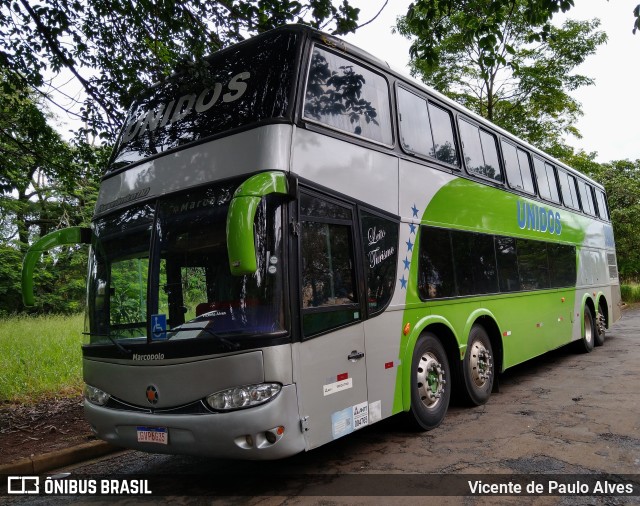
293, 241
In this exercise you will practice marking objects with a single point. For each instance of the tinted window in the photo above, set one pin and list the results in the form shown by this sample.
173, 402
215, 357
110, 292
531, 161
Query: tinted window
562, 265
546, 180
425, 128
457, 263
346, 96
443, 140
533, 265
568, 188
586, 197
380, 243
602, 205
415, 130
507, 261
518, 167
475, 263
236, 87
480, 153
436, 267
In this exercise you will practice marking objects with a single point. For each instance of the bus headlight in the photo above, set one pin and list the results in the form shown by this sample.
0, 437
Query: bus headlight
95, 395
243, 397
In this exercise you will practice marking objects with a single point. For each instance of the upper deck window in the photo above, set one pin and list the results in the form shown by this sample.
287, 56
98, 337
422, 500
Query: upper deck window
240, 86
425, 128
348, 97
602, 205
586, 197
480, 151
518, 167
568, 188
547, 185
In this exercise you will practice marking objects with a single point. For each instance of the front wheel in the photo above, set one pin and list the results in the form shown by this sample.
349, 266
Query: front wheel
478, 367
430, 382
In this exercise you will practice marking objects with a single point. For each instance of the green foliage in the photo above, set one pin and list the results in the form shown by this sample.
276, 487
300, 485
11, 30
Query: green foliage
497, 64
114, 49
630, 292
40, 357
45, 184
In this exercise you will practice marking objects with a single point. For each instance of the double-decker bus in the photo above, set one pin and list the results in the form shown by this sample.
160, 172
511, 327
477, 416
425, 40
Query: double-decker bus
292, 242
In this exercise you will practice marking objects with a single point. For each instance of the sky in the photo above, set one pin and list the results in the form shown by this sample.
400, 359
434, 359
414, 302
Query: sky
610, 125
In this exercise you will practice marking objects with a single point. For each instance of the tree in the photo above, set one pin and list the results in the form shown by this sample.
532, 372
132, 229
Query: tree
45, 183
516, 78
115, 48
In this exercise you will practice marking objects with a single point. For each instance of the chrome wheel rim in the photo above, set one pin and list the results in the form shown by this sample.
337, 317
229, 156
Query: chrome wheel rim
431, 380
480, 363
588, 329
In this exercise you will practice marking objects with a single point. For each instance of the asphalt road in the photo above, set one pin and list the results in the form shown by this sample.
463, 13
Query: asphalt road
564, 417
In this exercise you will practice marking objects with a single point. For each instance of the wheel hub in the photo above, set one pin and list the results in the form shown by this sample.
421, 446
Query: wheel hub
431, 380
481, 363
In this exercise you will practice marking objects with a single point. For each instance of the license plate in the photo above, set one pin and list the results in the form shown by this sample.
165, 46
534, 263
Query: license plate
158, 435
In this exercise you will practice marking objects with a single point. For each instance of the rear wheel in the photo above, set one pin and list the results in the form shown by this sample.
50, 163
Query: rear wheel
588, 334
478, 367
600, 326
430, 382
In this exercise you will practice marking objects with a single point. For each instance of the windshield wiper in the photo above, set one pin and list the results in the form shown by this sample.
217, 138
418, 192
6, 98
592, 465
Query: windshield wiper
121, 348
230, 345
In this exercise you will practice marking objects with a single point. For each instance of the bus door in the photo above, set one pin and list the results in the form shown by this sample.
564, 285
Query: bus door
330, 362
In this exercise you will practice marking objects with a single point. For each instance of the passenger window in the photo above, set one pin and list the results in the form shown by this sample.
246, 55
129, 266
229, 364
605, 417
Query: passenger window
426, 129
329, 289
480, 152
347, 96
532, 264
545, 175
517, 167
444, 145
507, 260
435, 277
602, 205
380, 245
568, 188
415, 130
586, 197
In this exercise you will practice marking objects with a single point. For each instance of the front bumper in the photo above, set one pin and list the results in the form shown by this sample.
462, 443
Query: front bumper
222, 435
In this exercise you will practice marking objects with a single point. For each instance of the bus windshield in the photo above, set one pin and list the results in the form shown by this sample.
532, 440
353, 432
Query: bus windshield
170, 259
240, 86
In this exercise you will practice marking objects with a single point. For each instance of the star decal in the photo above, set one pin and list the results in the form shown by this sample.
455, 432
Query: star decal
406, 262
414, 210
412, 228
409, 245
403, 282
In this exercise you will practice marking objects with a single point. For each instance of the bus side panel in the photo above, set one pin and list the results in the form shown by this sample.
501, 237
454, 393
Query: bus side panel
382, 342
359, 172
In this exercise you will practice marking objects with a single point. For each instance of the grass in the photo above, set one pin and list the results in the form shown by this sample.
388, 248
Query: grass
630, 292
40, 357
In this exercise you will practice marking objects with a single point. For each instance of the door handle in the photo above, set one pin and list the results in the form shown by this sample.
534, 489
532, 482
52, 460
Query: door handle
355, 355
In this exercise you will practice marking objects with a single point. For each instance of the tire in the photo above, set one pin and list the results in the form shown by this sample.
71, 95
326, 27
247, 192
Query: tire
430, 382
477, 368
600, 326
585, 345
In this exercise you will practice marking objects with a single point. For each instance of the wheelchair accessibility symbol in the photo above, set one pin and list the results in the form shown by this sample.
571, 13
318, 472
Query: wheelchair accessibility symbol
158, 326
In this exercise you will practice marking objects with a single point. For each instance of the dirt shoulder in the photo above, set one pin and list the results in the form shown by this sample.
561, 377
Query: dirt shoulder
54, 424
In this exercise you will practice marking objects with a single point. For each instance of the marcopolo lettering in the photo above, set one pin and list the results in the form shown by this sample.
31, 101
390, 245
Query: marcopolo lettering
166, 114
150, 356
541, 219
